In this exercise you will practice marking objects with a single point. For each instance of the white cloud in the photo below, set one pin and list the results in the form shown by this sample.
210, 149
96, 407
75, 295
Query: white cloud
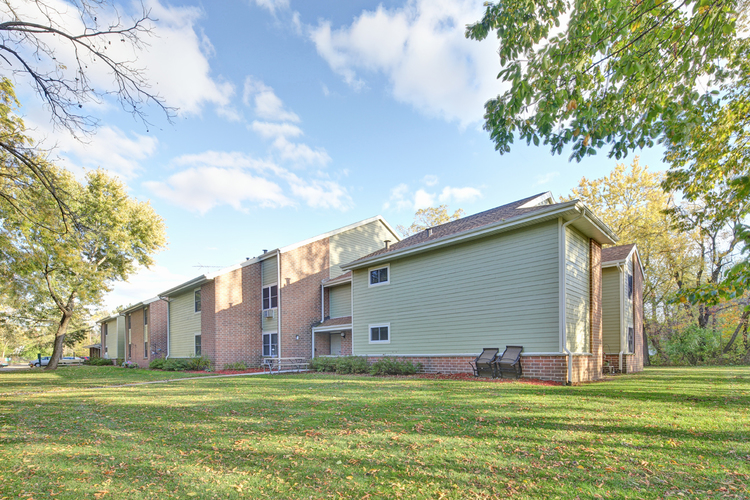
430, 180
215, 178
272, 5
300, 153
423, 199
110, 148
267, 104
545, 178
144, 284
459, 195
202, 188
398, 199
421, 49
269, 130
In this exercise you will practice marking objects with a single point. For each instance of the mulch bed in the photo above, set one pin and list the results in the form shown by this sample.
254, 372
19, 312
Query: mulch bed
228, 372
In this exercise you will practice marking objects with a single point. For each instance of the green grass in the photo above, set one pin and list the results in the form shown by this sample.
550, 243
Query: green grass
678, 432
78, 377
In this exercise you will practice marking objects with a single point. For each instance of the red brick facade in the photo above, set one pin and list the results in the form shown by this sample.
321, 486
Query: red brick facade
157, 329
302, 271
134, 347
231, 317
636, 363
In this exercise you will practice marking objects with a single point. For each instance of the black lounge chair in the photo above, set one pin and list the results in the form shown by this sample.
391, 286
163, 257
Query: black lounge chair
509, 363
483, 363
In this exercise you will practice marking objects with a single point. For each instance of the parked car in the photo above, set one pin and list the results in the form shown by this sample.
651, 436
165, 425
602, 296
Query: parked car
66, 360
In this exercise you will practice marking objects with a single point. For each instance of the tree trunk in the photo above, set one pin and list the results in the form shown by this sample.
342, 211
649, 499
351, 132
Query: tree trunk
646, 360
743, 322
62, 328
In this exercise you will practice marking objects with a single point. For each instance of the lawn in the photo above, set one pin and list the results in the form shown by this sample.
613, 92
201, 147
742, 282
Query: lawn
66, 378
669, 432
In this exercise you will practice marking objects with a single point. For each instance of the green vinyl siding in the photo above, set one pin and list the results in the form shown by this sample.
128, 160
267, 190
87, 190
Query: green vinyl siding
184, 324
269, 271
611, 309
340, 301
115, 342
357, 242
497, 291
269, 276
577, 296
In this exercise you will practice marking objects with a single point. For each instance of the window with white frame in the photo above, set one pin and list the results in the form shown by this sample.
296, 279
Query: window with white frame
630, 286
380, 275
270, 297
270, 344
145, 333
197, 345
197, 298
380, 334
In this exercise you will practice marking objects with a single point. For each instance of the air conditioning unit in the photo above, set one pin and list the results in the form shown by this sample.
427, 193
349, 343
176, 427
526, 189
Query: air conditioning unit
268, 313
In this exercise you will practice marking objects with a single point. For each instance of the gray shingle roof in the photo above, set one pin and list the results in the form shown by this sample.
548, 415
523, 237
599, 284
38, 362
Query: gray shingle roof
504, 212
618, 253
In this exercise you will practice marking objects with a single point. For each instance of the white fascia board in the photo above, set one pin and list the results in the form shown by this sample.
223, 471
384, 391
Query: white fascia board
335, 328
338, 231
139, 305
498, 227
539, 200
338, 282
108, 318
267, 255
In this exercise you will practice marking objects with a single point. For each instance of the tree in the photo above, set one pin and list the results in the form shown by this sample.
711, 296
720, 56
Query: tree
429, 217
631, 201
71, 269
56, 47
590, 74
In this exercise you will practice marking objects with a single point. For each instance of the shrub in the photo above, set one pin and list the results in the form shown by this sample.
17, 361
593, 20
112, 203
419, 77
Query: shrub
694, 345
99, 362
239, 365
119, 361
199, 363
175, 365
157, 364
129, 364
390, 366
351, 364
323, 364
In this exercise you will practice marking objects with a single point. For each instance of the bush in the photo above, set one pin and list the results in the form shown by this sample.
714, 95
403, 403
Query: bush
390, 366
694, 345
199, 363
324, 364
175, 365
98, 362
119, 361
157, 364
239, 365
351, 364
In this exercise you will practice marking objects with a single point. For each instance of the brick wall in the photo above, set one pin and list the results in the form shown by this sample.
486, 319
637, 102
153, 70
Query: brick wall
136, 353
346, 344
302, 271
596, 340
322, 344
157, 329
236, 311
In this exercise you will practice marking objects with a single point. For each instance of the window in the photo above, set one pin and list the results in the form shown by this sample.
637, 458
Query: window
197, 301
197, 345
129, 325
270, 297
631, 340
380, 333
104, 327
379, 276
145, 349
145, 332
270, 344
630, 286
145, 316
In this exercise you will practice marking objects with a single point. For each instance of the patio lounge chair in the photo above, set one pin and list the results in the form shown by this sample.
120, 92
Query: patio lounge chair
483, 363
509, 363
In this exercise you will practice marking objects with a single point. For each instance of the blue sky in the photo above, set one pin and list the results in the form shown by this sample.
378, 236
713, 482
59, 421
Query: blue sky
296, 118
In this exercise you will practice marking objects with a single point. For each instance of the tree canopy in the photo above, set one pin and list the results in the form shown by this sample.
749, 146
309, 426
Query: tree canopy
429, 217
592, 74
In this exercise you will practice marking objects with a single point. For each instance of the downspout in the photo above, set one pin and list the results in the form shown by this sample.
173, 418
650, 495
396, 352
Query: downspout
622, 312
563, 287
278, 299
168, 329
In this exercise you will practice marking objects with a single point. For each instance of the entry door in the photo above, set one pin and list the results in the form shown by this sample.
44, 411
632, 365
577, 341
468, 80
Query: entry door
336, 344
